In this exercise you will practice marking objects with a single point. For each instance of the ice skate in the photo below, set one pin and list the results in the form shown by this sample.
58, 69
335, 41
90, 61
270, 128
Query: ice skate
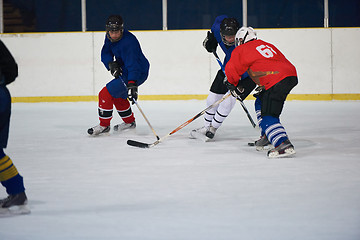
285, 149
14, 204
98, 129
200, 133
210, 133
263, 144
124, 126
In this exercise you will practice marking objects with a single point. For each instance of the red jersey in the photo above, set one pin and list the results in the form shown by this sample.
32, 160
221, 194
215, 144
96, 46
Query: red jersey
265, 64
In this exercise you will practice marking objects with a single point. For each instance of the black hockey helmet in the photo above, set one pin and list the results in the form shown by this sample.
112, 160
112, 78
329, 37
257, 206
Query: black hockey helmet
114, 23
229, 27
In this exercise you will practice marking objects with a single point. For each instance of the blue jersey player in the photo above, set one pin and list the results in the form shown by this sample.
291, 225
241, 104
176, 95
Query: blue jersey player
9, 175
222, 34
122, 56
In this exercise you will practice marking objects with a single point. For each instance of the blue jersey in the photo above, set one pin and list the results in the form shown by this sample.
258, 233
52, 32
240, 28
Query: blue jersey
227, 50
8, 73
5, 112
127, 52
135, 66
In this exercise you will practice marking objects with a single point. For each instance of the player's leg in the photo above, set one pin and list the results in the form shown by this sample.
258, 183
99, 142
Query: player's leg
209, 114
220, 115
217, 91
119, 92
9, 175
263, 143
105, 111
272, 103
124, 110
227, 105
12, 181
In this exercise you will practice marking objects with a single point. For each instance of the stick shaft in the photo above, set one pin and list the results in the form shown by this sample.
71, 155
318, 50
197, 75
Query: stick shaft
141, 111
143, 114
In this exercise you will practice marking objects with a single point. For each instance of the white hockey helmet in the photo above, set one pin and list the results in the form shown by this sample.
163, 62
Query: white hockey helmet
244, 35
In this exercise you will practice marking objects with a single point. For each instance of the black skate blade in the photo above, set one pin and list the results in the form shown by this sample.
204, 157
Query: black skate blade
138, 144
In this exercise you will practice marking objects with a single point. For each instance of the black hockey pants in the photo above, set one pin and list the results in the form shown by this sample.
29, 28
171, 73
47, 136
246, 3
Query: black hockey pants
272, 100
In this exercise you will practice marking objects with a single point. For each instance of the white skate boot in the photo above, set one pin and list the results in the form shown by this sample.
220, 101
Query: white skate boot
98, 130
124, 126
200, 133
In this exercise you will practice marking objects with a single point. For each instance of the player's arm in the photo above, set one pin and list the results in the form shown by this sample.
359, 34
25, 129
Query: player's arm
134, 68
234, 71
8, 66
106, 55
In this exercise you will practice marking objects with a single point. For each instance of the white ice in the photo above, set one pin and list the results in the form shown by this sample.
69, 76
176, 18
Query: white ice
82, 187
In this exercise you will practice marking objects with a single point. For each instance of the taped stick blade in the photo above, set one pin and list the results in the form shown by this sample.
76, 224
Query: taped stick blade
138, 144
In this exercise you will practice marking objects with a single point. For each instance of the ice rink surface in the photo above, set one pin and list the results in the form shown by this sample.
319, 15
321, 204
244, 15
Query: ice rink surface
82, 187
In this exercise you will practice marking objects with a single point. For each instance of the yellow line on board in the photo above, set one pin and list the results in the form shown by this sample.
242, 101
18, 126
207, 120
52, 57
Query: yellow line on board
301, 97
54, 99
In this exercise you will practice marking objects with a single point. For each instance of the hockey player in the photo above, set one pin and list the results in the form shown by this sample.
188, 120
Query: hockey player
9, 175
276, 77
122, 56
223, 34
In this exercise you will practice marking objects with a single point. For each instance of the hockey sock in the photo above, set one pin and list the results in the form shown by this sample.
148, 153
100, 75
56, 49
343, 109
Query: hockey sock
10, 177
223, 111
124, 109
209, 114
105, 107
258, 114
208, 117
274, 131
218, 119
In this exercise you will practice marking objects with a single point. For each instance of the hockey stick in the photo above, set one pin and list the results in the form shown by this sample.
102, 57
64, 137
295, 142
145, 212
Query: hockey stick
149, 145
240, 100
141, 111
143, 114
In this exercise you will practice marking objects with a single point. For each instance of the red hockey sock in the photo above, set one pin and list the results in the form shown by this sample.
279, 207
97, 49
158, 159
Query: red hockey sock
124, 109
105, 107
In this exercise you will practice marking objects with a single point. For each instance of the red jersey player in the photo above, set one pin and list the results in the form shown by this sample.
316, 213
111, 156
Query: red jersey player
276, 77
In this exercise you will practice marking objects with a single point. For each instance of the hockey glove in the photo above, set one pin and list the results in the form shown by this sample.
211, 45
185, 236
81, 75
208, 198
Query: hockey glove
210, 42
258, 91
132, 91
236, 91
115, 69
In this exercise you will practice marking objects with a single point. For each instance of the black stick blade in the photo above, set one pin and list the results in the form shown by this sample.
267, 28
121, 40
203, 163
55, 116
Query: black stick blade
138, 144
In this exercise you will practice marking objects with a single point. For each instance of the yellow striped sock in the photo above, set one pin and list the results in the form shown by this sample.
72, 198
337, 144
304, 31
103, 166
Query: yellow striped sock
7, 169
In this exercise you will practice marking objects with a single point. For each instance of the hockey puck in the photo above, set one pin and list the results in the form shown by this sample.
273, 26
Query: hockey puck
251, 144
